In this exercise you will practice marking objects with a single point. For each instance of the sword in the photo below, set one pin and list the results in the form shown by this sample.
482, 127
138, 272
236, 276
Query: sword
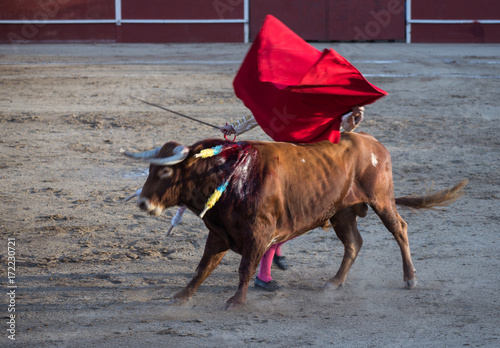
175, 112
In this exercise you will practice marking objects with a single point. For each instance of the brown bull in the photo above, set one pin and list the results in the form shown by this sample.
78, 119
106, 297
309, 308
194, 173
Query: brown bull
277, 191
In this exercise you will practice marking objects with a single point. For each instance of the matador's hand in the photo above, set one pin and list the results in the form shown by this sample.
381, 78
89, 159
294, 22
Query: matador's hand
227, 129
352, 121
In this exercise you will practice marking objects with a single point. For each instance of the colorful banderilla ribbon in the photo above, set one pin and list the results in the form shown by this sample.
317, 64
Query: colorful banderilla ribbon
213, 151
214, 198
207, 153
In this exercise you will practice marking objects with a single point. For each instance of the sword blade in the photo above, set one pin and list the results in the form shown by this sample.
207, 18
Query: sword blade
175, 112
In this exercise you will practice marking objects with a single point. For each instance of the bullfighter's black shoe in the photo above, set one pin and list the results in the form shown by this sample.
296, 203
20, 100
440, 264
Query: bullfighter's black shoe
280, 262
270, 286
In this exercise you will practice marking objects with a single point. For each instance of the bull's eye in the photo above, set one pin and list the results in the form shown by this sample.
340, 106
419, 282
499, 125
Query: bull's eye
165, 172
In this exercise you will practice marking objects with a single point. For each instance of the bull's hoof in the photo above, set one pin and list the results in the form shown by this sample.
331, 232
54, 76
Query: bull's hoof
332, 286
231, 306
411, 284
234, 303
177, 301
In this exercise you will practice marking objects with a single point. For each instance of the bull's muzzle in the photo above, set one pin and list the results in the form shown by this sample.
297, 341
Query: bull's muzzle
146, 205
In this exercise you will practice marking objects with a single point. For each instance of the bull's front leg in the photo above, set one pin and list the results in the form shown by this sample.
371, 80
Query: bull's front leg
250, 258
215, 249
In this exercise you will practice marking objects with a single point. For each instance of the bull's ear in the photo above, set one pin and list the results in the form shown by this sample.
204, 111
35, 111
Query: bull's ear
165, 172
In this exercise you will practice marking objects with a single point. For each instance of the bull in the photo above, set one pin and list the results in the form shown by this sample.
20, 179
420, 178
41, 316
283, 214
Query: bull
278, 191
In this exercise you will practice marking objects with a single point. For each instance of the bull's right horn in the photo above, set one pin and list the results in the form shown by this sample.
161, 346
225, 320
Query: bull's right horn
179, 154
145, 155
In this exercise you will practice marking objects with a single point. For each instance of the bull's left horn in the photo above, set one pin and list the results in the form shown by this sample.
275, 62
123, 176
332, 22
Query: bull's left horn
146, 155
179, 154
136, 194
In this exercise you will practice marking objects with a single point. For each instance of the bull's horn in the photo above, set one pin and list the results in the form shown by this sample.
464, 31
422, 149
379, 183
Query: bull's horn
137, 193
143, 155
180, 154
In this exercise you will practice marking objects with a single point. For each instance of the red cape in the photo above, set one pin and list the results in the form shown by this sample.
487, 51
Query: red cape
295, 92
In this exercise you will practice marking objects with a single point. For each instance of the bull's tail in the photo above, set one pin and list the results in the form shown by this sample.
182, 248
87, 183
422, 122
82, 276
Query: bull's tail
432, 200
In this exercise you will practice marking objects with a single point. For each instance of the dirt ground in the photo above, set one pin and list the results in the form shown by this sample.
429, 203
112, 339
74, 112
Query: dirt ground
94, 271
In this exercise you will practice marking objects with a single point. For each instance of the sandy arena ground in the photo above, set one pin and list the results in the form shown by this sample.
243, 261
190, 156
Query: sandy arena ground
94, 271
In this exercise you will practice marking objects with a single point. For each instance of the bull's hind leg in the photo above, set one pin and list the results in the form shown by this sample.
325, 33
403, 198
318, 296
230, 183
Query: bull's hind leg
345, 225
215, 249
399, 229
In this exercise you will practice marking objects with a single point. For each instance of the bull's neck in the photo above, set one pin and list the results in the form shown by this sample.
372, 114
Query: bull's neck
208, 174
198, 190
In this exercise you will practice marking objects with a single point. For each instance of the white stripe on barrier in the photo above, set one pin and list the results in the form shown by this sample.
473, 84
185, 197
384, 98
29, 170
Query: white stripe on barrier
57, 21
118, 12
455, 21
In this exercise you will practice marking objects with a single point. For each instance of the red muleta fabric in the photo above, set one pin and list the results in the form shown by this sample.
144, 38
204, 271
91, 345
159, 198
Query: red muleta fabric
295, 92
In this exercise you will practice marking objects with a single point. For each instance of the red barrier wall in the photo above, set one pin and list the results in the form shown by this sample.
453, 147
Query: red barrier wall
12, 33
361, 20
314, 20
158, 33
57, 9
456, 10
46, 10
308, 18
334, 20
186, 9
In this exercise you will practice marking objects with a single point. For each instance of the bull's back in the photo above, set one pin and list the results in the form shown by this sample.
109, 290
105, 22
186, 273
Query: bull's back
307, 181
311, 181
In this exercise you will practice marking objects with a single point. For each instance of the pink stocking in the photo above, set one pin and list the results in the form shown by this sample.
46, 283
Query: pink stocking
278, 249
265, 264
